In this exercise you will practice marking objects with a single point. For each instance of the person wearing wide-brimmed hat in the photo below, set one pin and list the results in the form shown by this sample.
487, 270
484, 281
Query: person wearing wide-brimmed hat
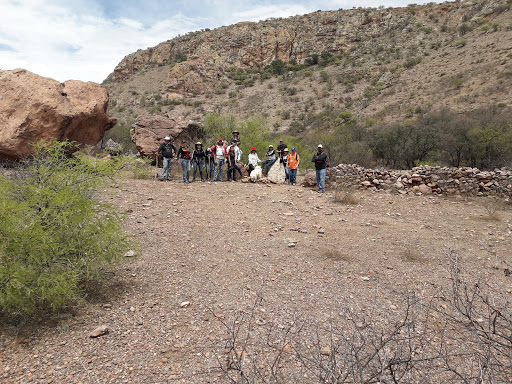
320, 160
167, 150
233, 160
198, 159
253, 159
271, 159
236, 137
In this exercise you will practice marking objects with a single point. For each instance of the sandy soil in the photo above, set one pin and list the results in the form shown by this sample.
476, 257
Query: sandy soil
207, 250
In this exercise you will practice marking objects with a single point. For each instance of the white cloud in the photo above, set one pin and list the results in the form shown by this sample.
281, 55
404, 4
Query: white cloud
65, 44
75, 39
267, 11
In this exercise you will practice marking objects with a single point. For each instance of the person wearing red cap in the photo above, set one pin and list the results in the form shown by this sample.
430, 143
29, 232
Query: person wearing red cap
219, 154
253, 159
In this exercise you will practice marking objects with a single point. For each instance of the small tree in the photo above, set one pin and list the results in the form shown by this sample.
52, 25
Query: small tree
55, 235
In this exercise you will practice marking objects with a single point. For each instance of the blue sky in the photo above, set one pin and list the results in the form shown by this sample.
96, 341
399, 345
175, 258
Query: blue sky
86, 39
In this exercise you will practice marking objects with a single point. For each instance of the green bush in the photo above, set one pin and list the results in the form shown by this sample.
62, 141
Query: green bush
56, 237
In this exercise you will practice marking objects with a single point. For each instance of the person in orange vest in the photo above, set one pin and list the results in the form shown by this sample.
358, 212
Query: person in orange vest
292, 163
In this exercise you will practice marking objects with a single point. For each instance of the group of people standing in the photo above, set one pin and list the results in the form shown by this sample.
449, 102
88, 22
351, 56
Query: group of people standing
213, 159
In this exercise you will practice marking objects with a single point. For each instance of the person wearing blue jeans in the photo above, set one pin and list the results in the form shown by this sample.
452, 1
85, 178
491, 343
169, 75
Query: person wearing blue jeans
271, 159
220, 153
320, 160
209, 163
167, 151
198, 158
184, 156
293, 164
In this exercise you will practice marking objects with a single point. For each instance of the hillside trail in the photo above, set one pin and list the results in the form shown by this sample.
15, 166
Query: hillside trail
208, 250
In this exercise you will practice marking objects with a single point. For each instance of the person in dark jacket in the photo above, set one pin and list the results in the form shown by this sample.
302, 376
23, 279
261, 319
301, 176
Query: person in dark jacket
167, 150
184, 156
236, 137
209, 163
280, 150
320, 160
231, 164
198, 159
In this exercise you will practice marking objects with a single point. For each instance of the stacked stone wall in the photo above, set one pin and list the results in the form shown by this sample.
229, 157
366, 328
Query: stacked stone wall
424, 180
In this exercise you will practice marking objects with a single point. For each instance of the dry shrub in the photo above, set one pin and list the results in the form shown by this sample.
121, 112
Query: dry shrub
346, 196
408, 254
492, 205
457, 334
336, 254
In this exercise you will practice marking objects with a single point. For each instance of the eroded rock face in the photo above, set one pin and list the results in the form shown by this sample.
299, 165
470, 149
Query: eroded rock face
34, 108
149, 130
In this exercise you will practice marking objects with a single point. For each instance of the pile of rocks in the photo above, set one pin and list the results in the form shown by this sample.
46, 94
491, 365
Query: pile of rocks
424, 180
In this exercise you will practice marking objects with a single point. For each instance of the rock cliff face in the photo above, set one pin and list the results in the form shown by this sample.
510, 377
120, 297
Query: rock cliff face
34, 108
249, 44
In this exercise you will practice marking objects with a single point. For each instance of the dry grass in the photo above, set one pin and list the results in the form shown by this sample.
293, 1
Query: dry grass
346, 197
336, 254
492, 205
409, 255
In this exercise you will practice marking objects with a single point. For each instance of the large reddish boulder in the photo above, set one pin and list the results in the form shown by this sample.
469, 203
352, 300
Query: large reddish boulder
34, 108
149, 130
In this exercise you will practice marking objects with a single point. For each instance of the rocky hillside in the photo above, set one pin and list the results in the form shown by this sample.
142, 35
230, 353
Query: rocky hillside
381, 65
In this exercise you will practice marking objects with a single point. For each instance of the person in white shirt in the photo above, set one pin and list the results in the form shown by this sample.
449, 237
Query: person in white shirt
220, 152
253, 159
234, 165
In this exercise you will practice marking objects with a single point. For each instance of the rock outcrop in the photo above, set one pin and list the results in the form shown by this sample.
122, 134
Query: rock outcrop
149, 130
34, 108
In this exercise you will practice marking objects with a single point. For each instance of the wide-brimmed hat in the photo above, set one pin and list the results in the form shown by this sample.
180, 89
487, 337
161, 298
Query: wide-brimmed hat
199, 143
320, 146
235, 132
285, 150
271, 146
167, 138
253, 149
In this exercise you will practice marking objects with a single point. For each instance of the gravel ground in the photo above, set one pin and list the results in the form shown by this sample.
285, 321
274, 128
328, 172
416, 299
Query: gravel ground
210, 250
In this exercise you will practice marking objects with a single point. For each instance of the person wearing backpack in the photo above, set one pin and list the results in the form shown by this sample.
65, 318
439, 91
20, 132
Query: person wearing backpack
167, 150
220, 152
198, 159
293, 166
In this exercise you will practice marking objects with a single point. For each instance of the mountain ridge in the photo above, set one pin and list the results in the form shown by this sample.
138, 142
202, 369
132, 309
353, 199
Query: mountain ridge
381, 65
